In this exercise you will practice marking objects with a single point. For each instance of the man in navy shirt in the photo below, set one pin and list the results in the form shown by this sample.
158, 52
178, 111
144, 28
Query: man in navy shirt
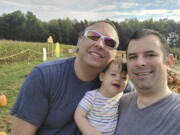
51, 92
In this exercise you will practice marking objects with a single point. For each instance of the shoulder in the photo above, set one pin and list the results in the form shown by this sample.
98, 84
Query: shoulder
128, 98
91, 93
56, 66
174, 111
56, 63
49, 71
176, 101
129, 95
176, 96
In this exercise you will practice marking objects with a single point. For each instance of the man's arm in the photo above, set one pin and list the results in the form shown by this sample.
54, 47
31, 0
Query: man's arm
83, 124
21, 127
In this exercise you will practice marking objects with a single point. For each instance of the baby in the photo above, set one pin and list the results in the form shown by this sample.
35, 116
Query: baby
97, 112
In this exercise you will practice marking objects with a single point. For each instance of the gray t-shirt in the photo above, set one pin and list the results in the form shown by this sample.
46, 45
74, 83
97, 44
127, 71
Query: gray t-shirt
160, 118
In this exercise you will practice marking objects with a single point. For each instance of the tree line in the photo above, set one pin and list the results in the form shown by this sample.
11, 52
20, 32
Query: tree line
27, 27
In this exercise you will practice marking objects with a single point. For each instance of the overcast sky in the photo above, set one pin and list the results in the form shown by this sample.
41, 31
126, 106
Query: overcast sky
91, 10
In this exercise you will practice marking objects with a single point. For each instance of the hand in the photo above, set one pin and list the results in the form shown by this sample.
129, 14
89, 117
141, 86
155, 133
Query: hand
95, 133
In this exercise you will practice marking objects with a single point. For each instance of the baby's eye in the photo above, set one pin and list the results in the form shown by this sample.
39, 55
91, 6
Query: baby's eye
113, 74
124, 78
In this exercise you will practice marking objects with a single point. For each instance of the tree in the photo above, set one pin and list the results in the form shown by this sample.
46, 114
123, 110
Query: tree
12, 25
173, 39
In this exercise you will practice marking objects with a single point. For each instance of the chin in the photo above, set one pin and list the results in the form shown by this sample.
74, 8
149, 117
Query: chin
96, 64
143, 87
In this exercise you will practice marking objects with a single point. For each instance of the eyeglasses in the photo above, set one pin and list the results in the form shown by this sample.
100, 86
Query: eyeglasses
95, 36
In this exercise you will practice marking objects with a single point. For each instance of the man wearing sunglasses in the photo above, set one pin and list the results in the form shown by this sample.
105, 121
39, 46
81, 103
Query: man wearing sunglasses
51, 92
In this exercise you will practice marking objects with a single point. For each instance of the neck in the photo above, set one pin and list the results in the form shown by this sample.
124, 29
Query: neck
85, 72
146, 99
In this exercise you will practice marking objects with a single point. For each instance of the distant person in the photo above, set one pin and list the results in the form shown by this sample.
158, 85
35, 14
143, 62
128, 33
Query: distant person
52, 91
153, 109
97, 113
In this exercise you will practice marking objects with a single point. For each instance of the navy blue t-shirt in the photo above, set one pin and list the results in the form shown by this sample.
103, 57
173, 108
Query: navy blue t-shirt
49, 97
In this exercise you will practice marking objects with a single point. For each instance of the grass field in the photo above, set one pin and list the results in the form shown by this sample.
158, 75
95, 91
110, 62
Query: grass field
15, 51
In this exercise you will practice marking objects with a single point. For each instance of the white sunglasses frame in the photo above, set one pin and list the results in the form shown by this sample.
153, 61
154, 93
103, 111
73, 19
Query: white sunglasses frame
102, 37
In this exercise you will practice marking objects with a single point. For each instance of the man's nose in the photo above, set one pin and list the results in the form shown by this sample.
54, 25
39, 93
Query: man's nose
100, 43
141, 61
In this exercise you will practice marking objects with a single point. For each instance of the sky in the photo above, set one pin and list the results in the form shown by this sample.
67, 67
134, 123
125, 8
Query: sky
93, 10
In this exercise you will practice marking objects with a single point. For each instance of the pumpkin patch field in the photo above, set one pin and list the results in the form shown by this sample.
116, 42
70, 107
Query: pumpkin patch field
14, 71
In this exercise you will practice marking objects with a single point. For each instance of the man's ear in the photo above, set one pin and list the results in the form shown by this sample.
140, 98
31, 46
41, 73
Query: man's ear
101, 76
79, 40
170, 61
78, 43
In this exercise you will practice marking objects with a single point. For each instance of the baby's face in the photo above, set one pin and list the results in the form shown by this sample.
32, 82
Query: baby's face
113, 80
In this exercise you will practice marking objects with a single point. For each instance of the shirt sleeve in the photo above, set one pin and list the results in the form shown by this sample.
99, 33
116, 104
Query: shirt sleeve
32, 102
87, 101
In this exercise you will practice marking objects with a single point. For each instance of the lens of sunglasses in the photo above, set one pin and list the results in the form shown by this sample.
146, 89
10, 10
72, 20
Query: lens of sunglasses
109, 42
93, 35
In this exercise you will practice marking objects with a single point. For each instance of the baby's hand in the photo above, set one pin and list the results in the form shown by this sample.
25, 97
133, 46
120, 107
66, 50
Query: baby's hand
96, 133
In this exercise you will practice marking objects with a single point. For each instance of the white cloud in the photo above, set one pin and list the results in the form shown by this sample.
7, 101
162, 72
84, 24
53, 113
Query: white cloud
13, 3
104, 8
95, 9
176, 12
149, 12
127, 5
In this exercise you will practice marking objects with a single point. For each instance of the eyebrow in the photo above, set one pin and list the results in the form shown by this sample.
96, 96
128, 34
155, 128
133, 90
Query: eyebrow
131, 54
146, 52
151, 51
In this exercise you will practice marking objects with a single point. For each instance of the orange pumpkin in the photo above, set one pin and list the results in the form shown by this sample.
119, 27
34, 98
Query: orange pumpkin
2, 133
3, 101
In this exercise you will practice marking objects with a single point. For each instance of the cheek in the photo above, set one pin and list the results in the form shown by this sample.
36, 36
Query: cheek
129, 65
124, 83
82, 43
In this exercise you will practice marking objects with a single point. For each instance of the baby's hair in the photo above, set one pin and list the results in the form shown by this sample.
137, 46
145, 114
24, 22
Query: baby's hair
122, 64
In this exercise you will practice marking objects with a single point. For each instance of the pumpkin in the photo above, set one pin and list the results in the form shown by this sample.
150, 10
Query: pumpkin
3, 101
2, 133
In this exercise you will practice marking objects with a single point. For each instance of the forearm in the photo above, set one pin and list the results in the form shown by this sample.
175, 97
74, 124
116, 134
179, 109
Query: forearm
85, 127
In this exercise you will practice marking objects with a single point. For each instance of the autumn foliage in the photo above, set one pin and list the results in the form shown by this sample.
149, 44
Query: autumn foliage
174, 81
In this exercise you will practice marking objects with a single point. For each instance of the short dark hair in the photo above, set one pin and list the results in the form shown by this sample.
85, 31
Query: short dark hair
122, 64
146, 32
103, 21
